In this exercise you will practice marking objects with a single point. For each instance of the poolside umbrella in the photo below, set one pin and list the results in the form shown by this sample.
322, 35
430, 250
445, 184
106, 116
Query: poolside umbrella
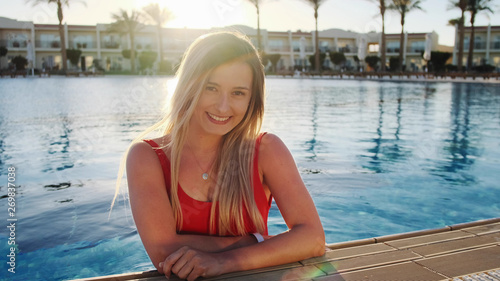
361, 49
30, 56
302, 49
428, 47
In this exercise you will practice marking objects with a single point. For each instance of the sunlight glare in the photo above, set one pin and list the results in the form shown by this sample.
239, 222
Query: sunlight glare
201, 13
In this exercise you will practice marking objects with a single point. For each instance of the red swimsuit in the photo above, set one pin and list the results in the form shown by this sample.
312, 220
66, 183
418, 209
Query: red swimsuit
196, 214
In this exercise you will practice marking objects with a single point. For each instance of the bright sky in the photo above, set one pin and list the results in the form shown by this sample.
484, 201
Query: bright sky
276, 15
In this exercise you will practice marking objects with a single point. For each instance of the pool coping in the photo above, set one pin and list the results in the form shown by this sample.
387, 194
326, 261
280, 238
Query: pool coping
431, 254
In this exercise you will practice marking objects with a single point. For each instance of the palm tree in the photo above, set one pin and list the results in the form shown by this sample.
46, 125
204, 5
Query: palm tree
462, 5
474, 7
127, 24
159, 17
60, 16
316, 4
256, 3
382, 7
403, 7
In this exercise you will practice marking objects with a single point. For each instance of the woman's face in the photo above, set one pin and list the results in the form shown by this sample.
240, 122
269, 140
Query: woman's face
224, 100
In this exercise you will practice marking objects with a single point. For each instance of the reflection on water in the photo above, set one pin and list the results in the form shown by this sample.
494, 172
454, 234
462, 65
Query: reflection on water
377, 157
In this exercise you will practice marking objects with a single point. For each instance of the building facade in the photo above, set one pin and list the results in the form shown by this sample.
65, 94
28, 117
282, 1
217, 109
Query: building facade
486, 45
294, 48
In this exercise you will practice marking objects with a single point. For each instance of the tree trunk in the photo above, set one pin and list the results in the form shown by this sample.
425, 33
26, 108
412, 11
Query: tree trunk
62, 37
461, 35
259, 42
382, 54
132, 52
471, 42
316, 59
402, 41
160, 38
383, 47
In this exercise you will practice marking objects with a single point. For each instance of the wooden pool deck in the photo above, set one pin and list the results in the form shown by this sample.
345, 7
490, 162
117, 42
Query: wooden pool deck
469, 251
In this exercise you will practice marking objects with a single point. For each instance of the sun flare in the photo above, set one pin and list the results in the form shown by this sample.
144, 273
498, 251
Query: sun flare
201, 13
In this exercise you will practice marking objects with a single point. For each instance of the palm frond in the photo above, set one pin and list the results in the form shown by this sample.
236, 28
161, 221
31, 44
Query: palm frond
155, 14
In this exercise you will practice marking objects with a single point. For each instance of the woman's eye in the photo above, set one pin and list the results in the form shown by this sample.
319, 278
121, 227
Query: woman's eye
210, 88
238, 93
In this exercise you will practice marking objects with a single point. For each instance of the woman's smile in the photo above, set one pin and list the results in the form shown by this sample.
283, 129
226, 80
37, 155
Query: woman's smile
218, 119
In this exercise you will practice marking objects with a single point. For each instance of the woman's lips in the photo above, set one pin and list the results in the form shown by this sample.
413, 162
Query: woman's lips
218, 119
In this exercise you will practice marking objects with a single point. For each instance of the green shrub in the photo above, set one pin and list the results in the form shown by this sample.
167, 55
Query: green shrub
484, 68
372, 61
20, 62
438, 61
393, 64
337, 58
451, 68
146, 59
73, 56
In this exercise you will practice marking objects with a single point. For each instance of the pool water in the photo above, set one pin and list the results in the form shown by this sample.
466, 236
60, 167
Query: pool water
378, 158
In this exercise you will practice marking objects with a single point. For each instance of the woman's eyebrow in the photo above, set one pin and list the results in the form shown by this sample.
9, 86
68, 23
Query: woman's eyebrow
237, 87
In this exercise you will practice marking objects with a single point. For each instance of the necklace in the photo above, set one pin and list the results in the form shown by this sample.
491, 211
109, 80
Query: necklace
204, 176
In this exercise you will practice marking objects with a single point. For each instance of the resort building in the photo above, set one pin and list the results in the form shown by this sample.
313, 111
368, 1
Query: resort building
486, 45
294, 47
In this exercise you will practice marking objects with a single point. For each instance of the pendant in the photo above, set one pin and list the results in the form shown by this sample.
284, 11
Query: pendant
204, 176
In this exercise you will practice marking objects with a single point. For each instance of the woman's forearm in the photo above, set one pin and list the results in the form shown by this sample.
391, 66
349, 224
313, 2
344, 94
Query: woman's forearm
297, 244
205, 243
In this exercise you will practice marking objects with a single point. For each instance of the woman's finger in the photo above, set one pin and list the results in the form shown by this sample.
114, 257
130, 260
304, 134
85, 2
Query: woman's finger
184, 264
172, 259
183, 271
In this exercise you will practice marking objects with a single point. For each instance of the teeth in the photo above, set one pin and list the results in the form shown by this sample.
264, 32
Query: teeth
220, 119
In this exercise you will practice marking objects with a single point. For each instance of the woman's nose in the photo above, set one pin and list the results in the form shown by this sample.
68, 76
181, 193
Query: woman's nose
223, 102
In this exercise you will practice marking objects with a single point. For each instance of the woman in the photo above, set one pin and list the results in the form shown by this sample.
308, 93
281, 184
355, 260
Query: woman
200, 194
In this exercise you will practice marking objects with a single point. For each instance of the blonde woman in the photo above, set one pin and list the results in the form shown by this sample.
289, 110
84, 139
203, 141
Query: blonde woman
200, 194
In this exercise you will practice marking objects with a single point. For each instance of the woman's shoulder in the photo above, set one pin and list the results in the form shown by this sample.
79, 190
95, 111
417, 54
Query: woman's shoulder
271, 146
142, 152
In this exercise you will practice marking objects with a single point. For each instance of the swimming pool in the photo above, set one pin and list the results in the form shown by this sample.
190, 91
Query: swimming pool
377, 157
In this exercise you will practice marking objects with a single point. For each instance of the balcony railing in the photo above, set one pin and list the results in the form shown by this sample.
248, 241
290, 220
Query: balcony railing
9, 44
347, 50
48, 44
285, 48
480, 45
495, 45
415, 50
477, 45
110, 45
81, 45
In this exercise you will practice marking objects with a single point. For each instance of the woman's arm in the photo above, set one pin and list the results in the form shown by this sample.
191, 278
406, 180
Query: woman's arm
305, 238
153, 213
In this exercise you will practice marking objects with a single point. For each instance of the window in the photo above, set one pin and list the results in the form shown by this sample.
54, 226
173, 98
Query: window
82, 42
417, 47
110, 42
324, 47
479, 43
17, 40
373, 48
275, 45
496, 43
142, 42
393, 47
49, 41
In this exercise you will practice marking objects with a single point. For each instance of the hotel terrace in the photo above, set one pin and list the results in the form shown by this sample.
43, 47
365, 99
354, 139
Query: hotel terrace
96, 42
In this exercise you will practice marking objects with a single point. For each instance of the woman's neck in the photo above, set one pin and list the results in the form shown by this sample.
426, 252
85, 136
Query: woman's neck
203, 143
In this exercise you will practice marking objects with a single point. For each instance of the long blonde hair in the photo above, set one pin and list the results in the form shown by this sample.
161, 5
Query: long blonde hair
234, 162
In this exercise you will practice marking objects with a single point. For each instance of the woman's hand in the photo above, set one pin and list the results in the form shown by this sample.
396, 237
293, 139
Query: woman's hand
188, 263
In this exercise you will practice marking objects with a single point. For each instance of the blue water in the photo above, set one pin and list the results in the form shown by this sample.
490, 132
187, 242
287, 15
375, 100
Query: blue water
377, 157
